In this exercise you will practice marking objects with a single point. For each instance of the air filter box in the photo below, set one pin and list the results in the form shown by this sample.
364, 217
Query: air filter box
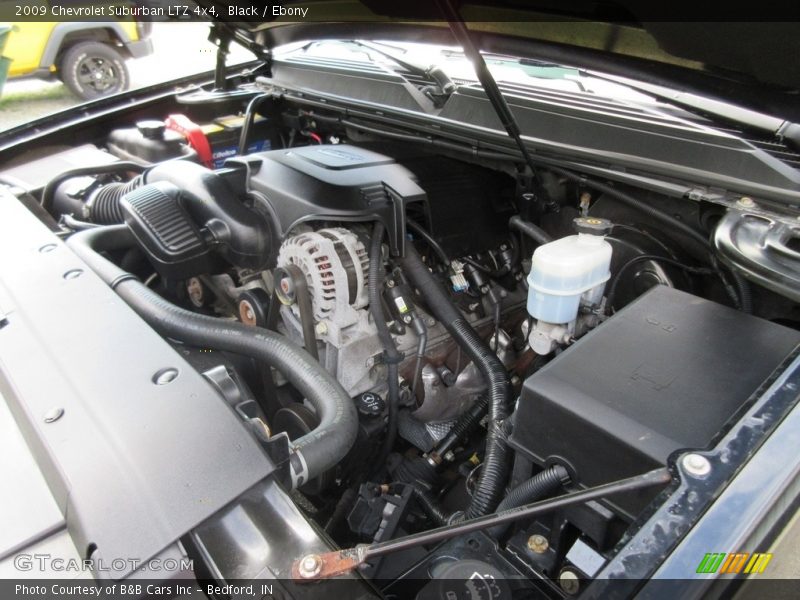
665, 373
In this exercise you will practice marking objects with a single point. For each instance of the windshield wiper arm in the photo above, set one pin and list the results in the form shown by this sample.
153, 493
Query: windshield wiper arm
410, 67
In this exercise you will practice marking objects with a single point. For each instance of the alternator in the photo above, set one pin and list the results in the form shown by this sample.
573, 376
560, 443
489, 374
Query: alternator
335, 264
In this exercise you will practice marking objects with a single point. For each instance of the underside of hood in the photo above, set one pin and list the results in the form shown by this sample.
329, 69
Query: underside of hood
752, 63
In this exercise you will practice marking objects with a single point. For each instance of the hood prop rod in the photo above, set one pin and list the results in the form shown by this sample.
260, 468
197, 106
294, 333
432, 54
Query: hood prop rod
487, 81
221, 37
312, 567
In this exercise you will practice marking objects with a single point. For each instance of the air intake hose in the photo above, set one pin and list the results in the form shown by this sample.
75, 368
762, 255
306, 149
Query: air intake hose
103, 205
242, 235
319, 450
494, 472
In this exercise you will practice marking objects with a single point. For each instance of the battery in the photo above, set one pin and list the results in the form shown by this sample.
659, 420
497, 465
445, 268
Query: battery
223, 136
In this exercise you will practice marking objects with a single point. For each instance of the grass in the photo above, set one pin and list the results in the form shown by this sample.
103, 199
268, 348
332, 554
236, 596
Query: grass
51, 92
22, 102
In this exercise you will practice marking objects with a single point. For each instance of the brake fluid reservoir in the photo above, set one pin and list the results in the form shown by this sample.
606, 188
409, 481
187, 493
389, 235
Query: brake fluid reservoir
567, 269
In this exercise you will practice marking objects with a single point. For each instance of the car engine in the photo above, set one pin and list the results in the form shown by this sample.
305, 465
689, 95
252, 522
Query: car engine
418, 339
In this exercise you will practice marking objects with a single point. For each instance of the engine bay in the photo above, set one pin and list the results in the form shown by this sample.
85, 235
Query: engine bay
417, 338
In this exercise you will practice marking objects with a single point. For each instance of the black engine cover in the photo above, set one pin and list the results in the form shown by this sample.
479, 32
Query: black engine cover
333, 182
665, 373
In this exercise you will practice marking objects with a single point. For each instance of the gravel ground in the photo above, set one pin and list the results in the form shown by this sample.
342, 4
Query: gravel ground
178, 49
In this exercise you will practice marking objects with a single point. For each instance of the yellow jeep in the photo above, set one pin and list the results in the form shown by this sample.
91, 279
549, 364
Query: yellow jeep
89, 57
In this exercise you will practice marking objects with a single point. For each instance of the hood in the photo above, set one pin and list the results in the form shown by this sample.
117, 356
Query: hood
749, 63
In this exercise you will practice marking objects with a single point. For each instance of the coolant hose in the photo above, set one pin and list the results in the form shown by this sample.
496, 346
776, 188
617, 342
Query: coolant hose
537, 234
315, 452
537, 487
494, 471
391, 356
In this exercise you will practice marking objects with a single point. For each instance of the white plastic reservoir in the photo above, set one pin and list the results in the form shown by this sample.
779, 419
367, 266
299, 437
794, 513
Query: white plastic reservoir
563, 271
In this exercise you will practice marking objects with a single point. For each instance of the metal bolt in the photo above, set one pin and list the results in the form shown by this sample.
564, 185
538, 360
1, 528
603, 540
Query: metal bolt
165, 376
538, 543
54, 414
407, 319
449, 456
370, 361
569, 582
696, 465
310, 566
430, 322
746, 202
390, 283
73, 273
247, 313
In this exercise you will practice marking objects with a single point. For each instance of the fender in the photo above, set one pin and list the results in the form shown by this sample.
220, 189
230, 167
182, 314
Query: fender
61, 31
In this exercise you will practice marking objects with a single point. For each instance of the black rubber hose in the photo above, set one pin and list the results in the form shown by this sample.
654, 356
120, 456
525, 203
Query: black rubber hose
543, 483
428, 238
744, 292
730, 288
48, 194
391, 356
537, 234
76, 224
430, 505
249, 119
319, 450
495, 465
537, 487
416, 470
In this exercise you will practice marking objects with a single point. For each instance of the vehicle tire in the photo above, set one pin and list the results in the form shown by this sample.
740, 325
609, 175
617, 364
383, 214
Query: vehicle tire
92, 69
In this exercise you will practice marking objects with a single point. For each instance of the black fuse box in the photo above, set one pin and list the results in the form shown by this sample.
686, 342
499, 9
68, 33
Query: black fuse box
665, 373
